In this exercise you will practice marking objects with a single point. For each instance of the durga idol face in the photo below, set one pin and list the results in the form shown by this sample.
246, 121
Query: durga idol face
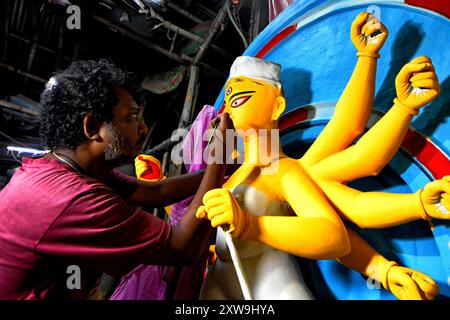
251, 103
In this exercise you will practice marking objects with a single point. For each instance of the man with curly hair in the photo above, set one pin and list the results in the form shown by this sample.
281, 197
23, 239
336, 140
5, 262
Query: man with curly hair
71, 208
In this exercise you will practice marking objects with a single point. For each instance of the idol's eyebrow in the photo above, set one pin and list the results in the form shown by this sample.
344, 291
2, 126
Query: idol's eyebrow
242, 92
257, 83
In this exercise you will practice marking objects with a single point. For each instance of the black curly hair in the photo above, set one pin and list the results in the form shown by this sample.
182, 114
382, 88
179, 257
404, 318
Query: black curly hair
84, 87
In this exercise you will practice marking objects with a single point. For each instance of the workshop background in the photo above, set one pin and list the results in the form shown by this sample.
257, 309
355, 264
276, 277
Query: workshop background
181, 51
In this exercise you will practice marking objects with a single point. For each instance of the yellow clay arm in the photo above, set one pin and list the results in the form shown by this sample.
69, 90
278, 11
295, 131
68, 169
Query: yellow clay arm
383, 210
416, 86
374, 209
312, 238
355, 104
364, 259
352, 112
371, 153
316, 233
404, 283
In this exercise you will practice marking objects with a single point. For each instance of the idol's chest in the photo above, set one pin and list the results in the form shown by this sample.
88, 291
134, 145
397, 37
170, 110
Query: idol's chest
259, 202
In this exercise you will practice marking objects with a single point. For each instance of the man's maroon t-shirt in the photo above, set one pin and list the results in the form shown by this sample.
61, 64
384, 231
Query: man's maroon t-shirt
52, 218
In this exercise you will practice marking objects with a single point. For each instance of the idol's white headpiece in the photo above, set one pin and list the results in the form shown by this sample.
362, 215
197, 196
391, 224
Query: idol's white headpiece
256, 68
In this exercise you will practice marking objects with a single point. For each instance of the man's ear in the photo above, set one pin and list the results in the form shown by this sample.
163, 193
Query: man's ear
278, 109
91, 127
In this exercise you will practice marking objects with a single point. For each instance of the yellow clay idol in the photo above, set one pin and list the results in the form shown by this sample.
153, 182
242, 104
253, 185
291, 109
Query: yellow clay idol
276, 206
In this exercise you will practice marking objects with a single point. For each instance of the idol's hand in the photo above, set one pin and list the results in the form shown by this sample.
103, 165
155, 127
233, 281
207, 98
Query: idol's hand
148, 168
220, 206
408, 284
368, 34
435, 198
417, 84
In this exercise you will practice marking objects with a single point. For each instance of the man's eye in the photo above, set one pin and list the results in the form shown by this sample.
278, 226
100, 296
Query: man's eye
240, 101
136, 116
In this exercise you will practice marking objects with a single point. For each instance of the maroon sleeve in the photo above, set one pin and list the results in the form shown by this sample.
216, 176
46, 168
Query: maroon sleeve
103, 232
121, 183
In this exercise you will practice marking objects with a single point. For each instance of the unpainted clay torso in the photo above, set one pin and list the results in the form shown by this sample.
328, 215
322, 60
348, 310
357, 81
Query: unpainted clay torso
272, 274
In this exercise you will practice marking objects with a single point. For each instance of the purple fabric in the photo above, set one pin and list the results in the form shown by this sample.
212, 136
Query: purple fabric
151, 282
276, 6
193, 147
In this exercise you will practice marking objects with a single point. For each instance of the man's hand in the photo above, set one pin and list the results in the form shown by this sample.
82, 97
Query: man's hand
417, 84
148, 168
435, 198
368, 34
221, 146
408, 284
220, 206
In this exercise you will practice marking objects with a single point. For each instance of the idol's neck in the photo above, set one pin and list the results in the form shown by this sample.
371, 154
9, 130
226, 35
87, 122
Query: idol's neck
262, 147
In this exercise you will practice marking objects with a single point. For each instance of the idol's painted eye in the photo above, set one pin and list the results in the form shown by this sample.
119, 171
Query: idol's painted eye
240, 101
229, 90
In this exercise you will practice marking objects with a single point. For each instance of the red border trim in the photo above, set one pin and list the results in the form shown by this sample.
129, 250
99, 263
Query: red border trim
275, 40
440, 6
427, 154
293, 118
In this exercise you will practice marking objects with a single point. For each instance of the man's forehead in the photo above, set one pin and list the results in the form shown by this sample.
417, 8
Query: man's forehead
125, 101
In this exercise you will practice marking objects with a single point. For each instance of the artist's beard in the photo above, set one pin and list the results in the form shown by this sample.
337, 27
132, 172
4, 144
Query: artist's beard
117, 143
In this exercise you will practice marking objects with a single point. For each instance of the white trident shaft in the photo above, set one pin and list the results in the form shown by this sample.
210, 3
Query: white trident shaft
229, 240
238, 266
